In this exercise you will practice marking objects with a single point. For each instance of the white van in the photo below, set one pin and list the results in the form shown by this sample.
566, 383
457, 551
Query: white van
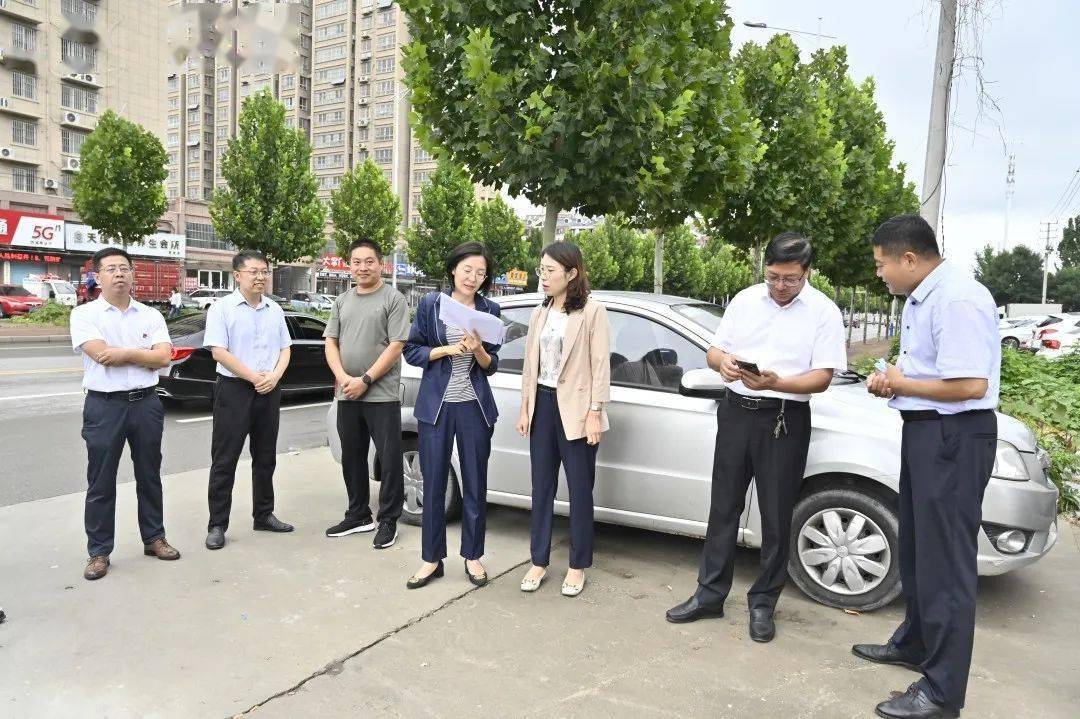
59, 291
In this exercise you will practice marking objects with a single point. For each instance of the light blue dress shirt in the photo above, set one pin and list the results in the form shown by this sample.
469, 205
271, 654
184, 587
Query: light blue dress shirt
950, 331
255, 335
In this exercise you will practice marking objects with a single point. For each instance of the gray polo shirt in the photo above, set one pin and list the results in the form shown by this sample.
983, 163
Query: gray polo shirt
364, 325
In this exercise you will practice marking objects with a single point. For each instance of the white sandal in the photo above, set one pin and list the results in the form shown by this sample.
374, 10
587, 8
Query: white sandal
531, 585
572, 590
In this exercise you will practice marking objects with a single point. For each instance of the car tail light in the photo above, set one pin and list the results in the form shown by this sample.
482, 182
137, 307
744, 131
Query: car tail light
181, 353
1052, 344
1048, 331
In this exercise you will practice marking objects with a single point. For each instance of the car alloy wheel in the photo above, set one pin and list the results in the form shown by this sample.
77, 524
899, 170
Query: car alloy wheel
413, 509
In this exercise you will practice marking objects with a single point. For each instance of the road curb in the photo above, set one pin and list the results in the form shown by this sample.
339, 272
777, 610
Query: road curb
13, 339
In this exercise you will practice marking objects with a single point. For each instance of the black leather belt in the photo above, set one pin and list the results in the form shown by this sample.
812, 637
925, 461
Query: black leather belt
756, 403
133, 395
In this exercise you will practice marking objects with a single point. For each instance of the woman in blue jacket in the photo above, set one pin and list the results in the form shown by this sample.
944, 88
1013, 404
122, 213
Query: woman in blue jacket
454, 402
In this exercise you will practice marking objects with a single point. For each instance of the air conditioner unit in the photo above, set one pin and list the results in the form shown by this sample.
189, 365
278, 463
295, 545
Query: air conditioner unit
51, 184
362, 123
71, 117
365, 78
4, 102
73, 164
90, 78
363, 101
7, 153
365, 56
339, 81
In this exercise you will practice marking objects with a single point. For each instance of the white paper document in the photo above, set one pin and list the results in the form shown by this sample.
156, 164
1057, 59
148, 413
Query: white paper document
490, 328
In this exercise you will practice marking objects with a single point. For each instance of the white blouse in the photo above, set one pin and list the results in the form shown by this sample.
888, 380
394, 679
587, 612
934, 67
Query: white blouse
551, 343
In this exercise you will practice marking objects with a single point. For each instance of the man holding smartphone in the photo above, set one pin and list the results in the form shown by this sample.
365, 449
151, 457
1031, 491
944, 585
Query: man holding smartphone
777, 344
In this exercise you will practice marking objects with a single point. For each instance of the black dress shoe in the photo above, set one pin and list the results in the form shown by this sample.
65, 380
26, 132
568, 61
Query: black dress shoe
885, 654
762, 626
417, 582
915, 703
215, 539
270, 523
692, 610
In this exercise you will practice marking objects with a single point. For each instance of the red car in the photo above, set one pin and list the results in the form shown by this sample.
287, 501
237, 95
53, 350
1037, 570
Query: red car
17, 301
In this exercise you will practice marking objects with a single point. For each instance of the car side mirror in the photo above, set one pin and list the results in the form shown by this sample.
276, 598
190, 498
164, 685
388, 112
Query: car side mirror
703, 383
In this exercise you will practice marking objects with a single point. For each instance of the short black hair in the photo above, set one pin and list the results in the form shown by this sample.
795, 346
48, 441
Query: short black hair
789, 247
100, 255
471, 249
364, 242
243, 256
906, 233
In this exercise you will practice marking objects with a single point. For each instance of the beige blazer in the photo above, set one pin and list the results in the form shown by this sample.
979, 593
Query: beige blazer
585, 372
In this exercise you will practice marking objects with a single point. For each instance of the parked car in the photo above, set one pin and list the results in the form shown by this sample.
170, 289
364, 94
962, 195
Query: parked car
311, 300
654, 469
59, 291
206, 297
187, 302
18, 301
1059, 344
1018, 332
1062, 323
285, 304
192, 371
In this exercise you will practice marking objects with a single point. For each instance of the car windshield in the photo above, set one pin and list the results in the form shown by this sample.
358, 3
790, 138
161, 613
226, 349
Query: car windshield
15, 292
702, 314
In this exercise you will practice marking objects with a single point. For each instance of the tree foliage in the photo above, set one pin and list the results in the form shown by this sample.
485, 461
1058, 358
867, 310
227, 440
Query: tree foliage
495, 224
446, 208
596, 251
684, 270
269, 203
1064, 287
118, 189
1012, 276
1069, 247
365, 207
727, 270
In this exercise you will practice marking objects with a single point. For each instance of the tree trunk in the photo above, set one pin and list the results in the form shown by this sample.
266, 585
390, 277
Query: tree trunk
658, 264
551, 217
759, 270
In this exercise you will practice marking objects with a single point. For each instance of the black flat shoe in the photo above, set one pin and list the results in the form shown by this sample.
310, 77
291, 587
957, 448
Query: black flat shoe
762, 626
692, 610
477, 579
270, 523
885, 654
417, 582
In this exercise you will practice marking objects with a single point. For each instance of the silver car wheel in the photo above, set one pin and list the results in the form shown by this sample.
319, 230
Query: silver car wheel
844, 551
414, 482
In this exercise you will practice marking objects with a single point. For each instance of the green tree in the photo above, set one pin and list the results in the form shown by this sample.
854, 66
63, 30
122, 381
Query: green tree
571, 104
118, 189
446, 207
684, 269
534, 245
1064, 287
495, 224
600, 264
1069, 247
269, 203
819, 281
365, 207
798, 180
726, 271
1012, 276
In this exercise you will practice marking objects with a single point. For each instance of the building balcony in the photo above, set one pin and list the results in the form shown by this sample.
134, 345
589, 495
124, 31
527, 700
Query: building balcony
20, 154
25, 10
15, 105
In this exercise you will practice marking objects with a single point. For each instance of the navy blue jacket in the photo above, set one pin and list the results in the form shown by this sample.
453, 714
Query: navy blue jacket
428, 332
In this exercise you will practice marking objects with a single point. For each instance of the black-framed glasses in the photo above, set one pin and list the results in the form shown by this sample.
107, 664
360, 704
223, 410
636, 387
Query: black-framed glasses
778, 281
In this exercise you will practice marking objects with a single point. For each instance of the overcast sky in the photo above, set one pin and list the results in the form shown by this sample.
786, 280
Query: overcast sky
1031, 62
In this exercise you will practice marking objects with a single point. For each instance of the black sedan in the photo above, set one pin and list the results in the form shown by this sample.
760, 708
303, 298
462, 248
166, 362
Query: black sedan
192, 373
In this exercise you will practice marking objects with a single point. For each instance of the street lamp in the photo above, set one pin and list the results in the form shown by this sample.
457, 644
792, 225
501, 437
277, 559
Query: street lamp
763, 26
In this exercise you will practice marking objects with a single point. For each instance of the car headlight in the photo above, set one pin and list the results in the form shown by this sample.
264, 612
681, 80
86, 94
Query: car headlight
1008, 464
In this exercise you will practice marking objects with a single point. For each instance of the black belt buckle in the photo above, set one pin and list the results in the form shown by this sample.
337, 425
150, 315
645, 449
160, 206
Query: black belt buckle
136, 394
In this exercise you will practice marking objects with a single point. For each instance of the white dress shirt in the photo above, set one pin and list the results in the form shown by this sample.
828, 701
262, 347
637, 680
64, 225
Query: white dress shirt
137, 327
950, 331
805, 334
254, 335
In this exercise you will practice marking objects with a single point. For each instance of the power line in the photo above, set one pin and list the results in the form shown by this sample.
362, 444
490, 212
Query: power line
1072, 187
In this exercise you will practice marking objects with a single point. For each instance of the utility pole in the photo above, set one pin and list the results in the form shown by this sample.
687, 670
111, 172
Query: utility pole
1010, 189
937, 135
1048, 250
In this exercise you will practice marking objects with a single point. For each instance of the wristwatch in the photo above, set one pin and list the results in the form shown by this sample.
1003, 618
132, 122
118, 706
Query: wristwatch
366, 379
595, 407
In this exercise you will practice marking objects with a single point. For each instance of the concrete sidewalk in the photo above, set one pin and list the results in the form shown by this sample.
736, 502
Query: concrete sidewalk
301, 626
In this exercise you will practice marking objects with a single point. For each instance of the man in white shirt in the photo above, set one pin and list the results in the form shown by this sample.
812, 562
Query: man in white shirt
176, 302
778, 343
123, 344
249, 339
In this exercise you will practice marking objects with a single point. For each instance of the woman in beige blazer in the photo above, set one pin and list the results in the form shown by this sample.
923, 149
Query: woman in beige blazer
564, 391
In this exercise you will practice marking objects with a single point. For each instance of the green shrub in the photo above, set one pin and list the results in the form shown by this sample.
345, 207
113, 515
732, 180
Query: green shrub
51, 313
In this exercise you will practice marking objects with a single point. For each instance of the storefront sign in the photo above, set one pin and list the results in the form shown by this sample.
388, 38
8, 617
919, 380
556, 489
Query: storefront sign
83, 238
517, 278
43, 232
19, 256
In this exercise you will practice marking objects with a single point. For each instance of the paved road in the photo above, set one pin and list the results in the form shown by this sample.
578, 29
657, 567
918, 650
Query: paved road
41, 450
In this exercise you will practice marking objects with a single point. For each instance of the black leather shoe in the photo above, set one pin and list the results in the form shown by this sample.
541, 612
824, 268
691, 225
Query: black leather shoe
215, 539
885, 654
270, 523
417, 582
915, 703
479, 580
762, 626
692, 610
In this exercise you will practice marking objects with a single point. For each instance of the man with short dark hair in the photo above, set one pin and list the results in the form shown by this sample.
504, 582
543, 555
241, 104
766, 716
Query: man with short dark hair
249, 339
945, 386
123, 344
364, 340
778, 343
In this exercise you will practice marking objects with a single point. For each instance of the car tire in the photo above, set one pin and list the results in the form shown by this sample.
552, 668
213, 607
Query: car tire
833, 581
1010, 342
413, 510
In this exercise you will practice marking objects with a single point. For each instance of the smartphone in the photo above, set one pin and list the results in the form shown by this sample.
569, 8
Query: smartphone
748, 367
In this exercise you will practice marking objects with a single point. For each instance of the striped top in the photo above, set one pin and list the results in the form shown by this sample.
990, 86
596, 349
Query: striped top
460, 388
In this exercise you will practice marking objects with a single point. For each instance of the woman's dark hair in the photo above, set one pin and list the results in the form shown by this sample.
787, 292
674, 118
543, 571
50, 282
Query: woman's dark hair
789, 247
568, 255
906, 233
100, 255
471, 249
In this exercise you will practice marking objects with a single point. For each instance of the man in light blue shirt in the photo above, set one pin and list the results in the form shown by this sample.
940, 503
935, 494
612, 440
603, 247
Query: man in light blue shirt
945, 385
249, 339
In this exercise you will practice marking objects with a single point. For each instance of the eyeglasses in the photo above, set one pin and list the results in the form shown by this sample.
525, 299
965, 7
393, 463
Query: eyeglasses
777, 281
470, 272
256, 273
116, 270
544, 272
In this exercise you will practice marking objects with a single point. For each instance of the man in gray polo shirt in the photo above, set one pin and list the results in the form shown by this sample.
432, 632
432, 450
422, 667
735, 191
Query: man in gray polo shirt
364, 339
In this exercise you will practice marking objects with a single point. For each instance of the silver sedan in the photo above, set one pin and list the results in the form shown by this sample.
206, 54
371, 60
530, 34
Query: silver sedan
654, 468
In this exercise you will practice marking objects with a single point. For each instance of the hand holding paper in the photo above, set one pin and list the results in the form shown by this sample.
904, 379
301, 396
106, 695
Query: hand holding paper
489, 327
